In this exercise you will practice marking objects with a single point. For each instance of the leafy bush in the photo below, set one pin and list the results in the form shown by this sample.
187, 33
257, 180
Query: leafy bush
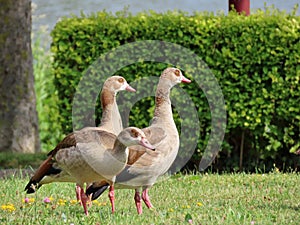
256, 60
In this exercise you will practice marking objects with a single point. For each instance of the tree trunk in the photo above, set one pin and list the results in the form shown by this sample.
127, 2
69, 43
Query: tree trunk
18, 116
241, 6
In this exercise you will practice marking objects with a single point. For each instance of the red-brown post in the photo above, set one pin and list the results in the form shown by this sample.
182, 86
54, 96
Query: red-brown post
241, 6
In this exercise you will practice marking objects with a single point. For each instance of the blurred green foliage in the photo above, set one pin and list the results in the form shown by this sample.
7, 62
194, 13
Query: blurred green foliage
21, 160
46, 104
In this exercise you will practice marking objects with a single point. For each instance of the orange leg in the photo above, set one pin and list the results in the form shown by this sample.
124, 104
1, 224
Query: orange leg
146, 198
138, 202
84, 200
78, 193
111, 196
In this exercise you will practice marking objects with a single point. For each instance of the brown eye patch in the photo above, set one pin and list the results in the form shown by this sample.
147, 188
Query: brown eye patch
177, 73
134, 133
121, 80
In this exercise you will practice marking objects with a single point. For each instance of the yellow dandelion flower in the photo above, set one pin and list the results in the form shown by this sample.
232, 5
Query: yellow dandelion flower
61, 202
8, 207
11, 208
96, 202
73, 201
170, 210
199, 204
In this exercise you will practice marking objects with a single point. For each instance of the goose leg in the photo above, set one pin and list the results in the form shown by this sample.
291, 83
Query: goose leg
111, 196
84, 200
146, 198
78, 193
138, 202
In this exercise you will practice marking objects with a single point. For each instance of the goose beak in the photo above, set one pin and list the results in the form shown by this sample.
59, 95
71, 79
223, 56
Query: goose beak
144, 142
185, 80
129, 88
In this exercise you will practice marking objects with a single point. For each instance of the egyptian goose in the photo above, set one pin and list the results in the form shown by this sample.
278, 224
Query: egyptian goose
144, 167
86, 156
111, 120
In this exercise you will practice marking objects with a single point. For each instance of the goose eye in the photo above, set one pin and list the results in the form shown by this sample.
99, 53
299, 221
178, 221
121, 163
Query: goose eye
177, 73
121, 80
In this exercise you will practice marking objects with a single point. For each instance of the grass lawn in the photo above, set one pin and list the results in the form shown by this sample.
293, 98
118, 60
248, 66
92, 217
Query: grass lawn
191, 199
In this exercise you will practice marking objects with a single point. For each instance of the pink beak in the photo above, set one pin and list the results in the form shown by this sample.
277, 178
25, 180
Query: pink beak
144, 142
185, 80
129, 88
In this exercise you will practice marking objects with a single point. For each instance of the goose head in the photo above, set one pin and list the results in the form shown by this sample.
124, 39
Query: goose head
134, 136
174, 76
116, 84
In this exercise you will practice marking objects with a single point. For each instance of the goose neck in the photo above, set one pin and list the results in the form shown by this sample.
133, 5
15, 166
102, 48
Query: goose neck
162, 100
110, 112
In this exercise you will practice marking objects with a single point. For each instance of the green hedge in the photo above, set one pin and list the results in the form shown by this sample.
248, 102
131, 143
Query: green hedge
256, 60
